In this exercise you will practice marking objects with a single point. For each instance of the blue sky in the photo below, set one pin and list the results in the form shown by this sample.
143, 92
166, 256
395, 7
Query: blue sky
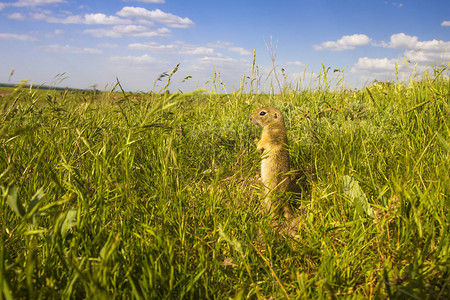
93, 42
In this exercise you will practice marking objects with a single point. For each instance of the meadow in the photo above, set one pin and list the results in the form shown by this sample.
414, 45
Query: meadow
157, 196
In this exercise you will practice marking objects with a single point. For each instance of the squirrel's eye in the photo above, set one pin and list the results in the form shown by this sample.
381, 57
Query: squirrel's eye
263, 113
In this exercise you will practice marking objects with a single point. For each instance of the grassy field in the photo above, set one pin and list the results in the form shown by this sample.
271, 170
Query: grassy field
157, 196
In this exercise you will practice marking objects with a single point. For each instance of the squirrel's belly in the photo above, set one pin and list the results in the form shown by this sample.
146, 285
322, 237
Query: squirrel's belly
269, 171
265, 171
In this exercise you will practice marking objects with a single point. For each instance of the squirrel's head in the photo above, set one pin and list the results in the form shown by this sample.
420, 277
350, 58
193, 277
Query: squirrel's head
267, 116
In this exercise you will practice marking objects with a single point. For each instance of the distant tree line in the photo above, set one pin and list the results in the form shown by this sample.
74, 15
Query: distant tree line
53, 88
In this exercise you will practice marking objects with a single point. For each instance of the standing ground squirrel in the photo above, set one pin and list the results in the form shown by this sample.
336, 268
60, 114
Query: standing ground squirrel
274, 159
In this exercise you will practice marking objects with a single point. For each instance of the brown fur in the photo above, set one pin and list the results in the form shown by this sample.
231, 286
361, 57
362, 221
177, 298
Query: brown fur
274, 159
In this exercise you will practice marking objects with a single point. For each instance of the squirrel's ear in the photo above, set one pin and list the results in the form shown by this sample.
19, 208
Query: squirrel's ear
275, 115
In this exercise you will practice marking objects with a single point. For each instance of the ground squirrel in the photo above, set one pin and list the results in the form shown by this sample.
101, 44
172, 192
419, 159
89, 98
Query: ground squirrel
274, 159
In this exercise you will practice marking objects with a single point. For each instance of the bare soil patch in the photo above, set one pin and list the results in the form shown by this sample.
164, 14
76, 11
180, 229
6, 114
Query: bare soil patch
4, 93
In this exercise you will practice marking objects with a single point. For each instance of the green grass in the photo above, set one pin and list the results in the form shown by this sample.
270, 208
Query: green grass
119, 195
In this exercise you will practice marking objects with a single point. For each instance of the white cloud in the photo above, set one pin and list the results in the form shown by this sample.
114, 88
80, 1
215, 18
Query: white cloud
23, 3
145, 22
156, 15
239, 50
3, 5
45, 17
403, 41
17, 37
445, 23
417, 51
382, 69
88, 19
347, 42
176, 48
147, 1
219, 61
408, 42
230, 69
229, 46
375, 65
416, 56
434, 45
108, 45
295, 63
16, 16
153, 46
396, 4
420, 56
56, 32
103, 19
197, 51
189, 49
127, 30
70, 49
220, 45
139, 60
